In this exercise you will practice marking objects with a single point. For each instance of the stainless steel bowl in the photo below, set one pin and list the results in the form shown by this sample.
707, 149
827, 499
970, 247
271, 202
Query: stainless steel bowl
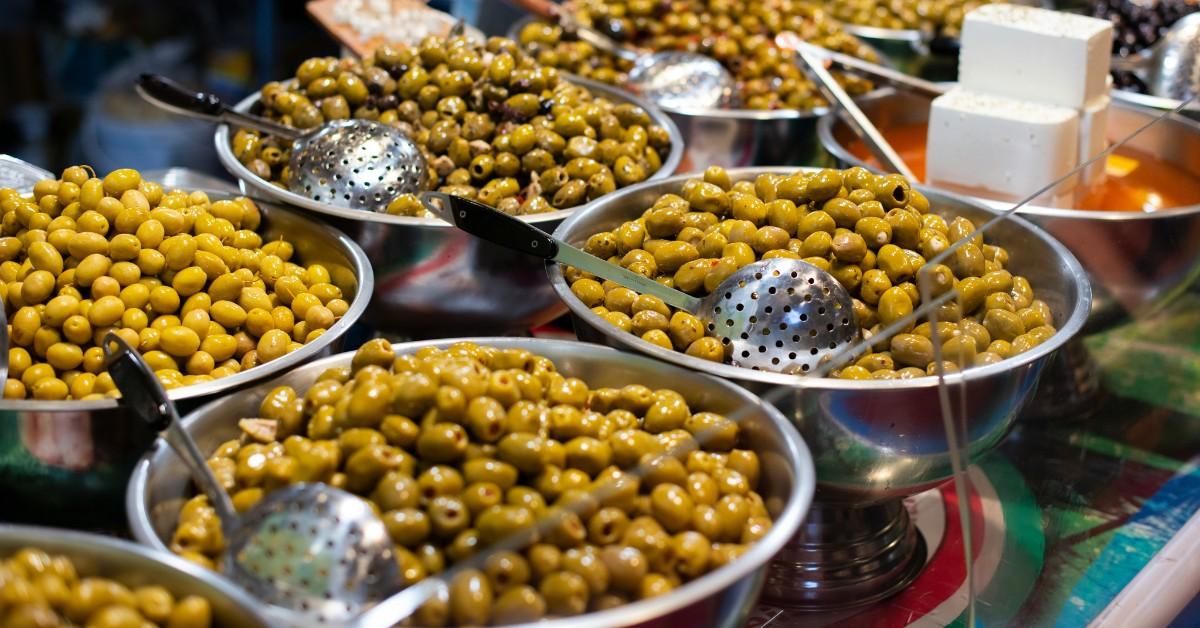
134, 566
62, 460
432, 280
1154, 103
1136, 260
873, 442
724, 597
736, 138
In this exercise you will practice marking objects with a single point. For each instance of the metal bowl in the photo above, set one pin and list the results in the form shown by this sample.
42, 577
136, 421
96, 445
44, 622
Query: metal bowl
1136, 260
736, 138
160, 483
873, 442
433, 280
1158, 104
135, 566
62, 460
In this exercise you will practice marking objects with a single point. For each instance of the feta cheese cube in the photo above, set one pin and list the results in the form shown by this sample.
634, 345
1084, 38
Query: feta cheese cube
1034, 54
1093, 124
1000, 148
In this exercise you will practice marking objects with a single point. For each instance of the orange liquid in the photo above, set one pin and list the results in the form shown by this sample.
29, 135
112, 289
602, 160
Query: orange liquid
1136, 181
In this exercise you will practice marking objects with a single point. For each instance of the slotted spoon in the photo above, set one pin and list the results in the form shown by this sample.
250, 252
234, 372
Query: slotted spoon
354, 164
314, 550
780, 314
668, 78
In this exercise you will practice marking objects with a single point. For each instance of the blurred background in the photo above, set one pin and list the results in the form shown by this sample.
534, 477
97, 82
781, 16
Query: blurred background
67, 70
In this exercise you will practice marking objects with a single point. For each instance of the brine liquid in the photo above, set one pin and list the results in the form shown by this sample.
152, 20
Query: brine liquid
1136, 181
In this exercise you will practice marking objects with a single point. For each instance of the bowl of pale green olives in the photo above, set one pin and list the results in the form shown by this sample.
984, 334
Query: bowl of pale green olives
659, 495
215, 290
56, 577
509, 132
774, 120
875, 424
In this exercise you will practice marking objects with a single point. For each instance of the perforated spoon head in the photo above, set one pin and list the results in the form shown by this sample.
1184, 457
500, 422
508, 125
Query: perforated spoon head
315, 550
781, 315
683, 80
356, 164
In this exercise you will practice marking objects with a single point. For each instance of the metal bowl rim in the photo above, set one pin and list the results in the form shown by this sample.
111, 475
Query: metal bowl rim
1147, 101
84, 542
863, 31
757, 556
831, 144
364, 273
224, 146
1073, 323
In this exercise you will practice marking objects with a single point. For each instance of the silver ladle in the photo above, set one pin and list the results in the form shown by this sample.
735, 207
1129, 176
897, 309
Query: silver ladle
353, 164
668, 78
779, 314
314, 550
1171, 67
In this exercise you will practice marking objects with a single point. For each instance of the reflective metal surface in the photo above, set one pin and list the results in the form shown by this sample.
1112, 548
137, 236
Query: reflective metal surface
356, 164
62, 460
722, 598
1136, 260
872, 441
133, 565
432, 280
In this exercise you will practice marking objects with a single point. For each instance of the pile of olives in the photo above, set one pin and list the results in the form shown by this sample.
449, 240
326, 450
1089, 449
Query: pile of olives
42, 589
738, 34
871, 232
185, 279
940, 17
494, 125
461, 447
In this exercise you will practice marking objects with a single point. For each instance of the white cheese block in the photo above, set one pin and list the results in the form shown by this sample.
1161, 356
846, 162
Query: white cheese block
1001, 148
1093, 124
1035, 54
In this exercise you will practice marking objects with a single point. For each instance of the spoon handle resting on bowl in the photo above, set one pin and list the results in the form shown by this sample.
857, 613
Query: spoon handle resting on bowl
498, 227
876, 71
553, 11
171, 96
143, 394
862, 126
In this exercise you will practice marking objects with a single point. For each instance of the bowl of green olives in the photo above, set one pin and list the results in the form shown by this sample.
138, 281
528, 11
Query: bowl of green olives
59, 577
875, 426
510, 133
774, 123
1137, 260
675, 490
86, 254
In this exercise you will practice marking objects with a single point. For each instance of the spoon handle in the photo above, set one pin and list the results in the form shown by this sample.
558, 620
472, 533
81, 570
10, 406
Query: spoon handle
553, 11
142, 393
171, 96
874, 70
859, 122
499, 228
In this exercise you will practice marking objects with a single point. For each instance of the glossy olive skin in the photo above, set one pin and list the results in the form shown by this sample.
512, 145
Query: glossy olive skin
493, 123
739, 34
505, 442
185, 279
872, 233
941, 16
42, 589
